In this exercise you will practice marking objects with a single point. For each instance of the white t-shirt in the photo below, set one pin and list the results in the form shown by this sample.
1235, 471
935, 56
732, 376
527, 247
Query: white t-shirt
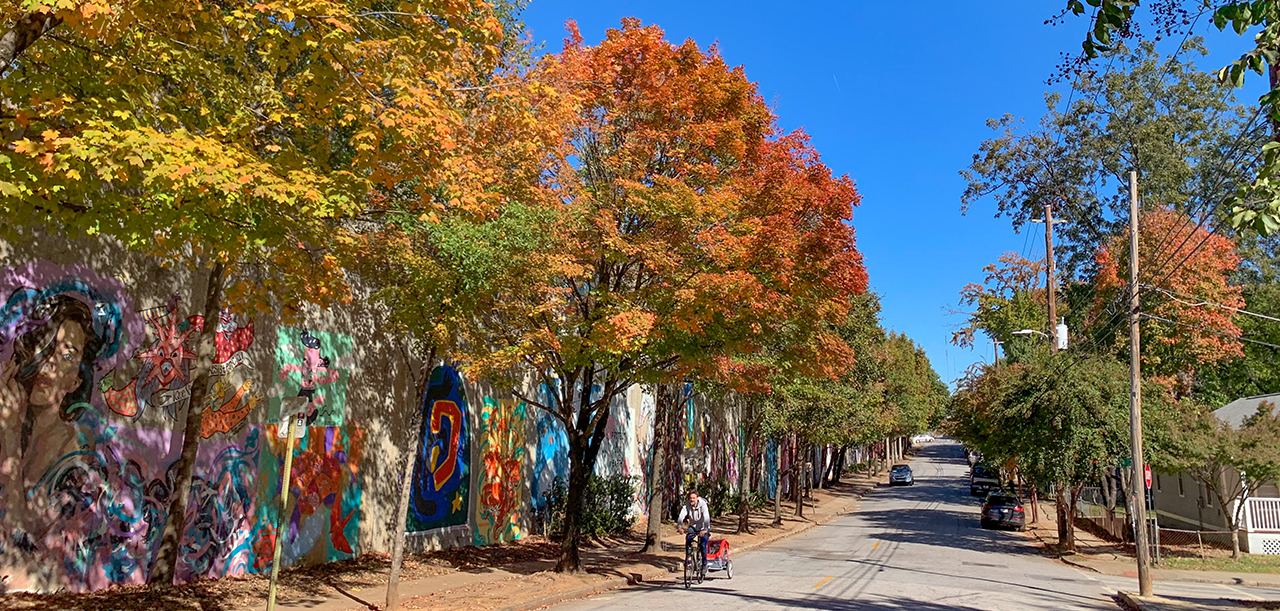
699, 515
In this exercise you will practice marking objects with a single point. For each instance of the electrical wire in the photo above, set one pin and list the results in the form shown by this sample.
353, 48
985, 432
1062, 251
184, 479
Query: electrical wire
1207, 330
1178, 297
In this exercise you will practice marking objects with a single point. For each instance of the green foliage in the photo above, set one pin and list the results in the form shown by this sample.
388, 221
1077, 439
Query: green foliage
1059, 421
1212, 452
1160, 115
606, 508
1253, 205
719, 496
1258, 372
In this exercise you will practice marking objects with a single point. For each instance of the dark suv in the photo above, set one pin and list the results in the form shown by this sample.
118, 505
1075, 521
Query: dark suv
983, 478
1003, 510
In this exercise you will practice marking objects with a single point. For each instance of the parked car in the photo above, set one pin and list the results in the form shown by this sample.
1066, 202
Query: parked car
921, 438
1003, 510
983, 478
901, 475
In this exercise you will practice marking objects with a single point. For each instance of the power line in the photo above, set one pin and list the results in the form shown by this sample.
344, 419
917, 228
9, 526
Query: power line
1178, 297
1207, 330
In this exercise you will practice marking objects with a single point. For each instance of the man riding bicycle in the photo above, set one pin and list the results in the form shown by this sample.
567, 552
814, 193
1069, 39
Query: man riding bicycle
699, 518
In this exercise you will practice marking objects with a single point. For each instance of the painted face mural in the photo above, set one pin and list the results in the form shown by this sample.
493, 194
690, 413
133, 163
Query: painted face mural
441, 481
307, 366
502, 460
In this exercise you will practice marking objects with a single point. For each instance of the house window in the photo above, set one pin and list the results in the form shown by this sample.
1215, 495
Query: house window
1158, 488
1182, 491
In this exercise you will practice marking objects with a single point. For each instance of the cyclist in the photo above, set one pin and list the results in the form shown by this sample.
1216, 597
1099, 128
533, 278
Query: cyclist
699, 518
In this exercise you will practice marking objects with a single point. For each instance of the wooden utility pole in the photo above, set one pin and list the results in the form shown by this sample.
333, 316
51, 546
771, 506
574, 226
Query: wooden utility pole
1138, 491
1049, 281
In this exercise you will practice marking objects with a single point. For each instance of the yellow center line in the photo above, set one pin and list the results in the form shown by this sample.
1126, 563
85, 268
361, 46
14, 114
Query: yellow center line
819, 584
873, 547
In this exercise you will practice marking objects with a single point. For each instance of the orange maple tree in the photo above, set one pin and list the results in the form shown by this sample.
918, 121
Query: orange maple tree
685, 232
1181, 268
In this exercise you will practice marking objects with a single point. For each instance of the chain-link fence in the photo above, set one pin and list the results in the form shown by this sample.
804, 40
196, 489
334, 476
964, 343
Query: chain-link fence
1203, 544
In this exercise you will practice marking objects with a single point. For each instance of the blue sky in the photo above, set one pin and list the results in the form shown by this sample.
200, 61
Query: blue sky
896, 95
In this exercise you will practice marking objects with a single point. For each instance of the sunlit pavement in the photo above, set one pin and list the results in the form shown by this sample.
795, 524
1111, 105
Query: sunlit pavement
917, 547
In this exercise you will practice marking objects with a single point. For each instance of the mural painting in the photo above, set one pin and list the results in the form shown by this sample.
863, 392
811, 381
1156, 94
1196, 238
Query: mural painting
163, 378
217, 531
84, 492
644, 437
552, 458
441, 478
308, 364
323, 523
502, 461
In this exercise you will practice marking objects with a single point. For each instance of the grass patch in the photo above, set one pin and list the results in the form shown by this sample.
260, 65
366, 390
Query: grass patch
1248, 563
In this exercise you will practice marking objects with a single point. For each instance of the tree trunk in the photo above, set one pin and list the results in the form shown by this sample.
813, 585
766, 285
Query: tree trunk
744, 494
777, 484
166, 562
663, 406
1066, 535
28, 29
584, 447
406, 485
802, 478
839, 466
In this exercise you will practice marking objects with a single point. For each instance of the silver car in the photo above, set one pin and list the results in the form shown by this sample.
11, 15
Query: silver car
901, 475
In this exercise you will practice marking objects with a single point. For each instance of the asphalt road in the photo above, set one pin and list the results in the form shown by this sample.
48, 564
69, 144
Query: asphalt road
917, 547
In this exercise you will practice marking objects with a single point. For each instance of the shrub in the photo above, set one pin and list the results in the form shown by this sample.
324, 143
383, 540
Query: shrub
606, 508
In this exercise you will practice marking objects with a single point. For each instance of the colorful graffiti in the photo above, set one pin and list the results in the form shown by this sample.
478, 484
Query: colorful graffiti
441, 480
552, 458
308, 365
324, 491
502, 456
164, 374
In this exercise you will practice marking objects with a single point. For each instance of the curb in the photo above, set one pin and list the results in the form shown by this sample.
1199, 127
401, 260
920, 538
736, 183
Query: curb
618, 583
1127, 601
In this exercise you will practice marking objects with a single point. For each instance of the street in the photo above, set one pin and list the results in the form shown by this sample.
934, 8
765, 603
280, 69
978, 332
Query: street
917, 547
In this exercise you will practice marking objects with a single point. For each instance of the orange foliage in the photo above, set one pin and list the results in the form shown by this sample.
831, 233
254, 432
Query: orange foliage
1176, 349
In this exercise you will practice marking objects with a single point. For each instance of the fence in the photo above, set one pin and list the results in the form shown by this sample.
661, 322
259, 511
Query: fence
1203, 544
1092, 506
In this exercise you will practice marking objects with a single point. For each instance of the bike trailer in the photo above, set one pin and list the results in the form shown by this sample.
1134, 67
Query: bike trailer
717, 554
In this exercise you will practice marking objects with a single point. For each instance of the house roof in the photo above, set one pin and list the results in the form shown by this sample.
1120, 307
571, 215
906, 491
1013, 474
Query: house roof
1235, 412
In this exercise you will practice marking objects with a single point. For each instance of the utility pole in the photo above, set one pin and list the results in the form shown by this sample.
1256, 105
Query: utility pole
996, 344
1138, 491
1050, 289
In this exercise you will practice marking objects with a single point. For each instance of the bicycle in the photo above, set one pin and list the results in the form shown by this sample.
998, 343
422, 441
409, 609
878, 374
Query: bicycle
693, 553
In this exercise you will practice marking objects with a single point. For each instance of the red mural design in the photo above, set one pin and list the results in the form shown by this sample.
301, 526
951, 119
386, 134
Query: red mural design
442, 467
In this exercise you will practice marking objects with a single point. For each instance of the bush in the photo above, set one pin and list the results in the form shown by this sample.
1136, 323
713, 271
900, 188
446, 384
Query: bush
606, 509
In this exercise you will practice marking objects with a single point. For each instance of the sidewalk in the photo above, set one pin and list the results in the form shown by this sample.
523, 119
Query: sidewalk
512, 577
1099, 556
533, 585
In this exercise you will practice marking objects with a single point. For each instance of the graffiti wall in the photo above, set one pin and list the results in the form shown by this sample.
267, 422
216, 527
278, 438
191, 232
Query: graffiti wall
95, 385
502, 460
96, 374
441, 474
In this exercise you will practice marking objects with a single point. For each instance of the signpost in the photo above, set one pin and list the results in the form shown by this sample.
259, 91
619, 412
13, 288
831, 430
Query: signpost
293, 416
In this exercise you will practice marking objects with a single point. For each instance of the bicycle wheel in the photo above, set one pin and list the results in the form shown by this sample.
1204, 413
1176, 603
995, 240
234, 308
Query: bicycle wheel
702, 568
688, 567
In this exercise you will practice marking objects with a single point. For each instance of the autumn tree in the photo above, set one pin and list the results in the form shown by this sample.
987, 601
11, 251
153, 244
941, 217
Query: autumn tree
1011, 298
234, 139
1180, 334
687, 229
